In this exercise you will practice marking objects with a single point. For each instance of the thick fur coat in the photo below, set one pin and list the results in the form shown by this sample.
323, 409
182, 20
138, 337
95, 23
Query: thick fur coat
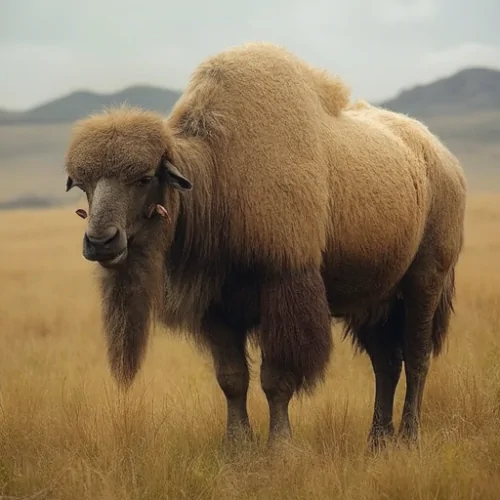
303, 206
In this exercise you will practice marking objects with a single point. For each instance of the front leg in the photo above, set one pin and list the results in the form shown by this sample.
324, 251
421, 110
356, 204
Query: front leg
296, 341
227, 347
279, 386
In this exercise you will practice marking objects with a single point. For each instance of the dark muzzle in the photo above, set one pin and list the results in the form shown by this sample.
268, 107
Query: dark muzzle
105, 245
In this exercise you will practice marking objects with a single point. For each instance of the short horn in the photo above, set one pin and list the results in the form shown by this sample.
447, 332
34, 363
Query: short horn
163, 212
81, 212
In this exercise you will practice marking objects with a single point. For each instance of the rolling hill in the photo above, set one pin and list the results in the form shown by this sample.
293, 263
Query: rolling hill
78, 104
468, 91
462, 109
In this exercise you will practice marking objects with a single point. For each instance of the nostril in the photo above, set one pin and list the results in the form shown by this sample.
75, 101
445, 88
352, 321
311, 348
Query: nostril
103, 237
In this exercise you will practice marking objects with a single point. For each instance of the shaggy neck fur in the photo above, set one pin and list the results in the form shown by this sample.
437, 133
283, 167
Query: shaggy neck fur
166, 274
130, 296
194, 257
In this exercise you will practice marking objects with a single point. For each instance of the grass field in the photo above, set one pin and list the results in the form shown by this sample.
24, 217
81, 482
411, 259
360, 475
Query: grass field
65, 432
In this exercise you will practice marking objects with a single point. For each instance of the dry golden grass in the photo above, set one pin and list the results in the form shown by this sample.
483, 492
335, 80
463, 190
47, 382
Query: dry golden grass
65, 433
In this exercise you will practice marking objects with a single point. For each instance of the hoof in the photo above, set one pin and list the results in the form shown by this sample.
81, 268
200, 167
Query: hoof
237, 439
379, 439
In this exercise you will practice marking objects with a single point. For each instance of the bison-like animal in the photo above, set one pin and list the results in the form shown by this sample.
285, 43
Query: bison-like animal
263, 206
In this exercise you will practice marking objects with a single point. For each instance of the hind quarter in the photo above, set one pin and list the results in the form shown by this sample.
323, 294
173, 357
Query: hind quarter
379, 199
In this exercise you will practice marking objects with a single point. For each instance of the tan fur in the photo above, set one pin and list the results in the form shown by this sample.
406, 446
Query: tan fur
273, 149
134, 138
395, 179
289, 180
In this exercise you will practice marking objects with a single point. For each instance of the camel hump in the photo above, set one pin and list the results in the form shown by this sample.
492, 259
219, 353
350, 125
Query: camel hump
333, 93
360, 104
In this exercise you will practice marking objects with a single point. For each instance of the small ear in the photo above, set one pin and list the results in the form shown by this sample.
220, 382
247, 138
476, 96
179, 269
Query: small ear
69, 183
174, 178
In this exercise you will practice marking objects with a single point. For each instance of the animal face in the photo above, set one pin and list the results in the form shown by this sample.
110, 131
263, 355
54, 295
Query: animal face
121, 210
119, 160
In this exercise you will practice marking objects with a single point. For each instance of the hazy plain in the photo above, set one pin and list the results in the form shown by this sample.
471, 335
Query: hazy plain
32, 155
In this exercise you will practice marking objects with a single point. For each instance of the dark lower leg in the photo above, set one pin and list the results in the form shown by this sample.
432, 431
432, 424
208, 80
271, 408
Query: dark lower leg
387, 368
234, 380
383, 342
295, 339
278, 387
416, 375
417, 350
231, 369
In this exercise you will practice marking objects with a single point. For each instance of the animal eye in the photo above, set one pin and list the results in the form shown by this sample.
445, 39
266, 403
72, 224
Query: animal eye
144, 181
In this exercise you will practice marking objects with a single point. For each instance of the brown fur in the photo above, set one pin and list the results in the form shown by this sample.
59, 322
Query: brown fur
303, 207
295, 317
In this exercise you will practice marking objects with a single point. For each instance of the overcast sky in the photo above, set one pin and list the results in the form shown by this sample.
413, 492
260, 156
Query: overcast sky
51, 47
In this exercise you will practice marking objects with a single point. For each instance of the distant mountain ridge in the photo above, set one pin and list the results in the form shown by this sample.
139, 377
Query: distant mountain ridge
463, 110
81, 103
471, 89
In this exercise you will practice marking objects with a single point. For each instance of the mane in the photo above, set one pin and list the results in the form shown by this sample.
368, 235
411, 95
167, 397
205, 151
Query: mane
195, 259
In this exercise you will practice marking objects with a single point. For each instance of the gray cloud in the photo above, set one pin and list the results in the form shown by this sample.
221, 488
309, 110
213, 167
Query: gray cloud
377, 46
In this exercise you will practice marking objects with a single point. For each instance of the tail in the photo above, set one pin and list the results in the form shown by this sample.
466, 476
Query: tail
442, 316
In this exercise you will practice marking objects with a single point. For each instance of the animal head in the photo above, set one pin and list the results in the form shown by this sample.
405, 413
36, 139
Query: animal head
120, 160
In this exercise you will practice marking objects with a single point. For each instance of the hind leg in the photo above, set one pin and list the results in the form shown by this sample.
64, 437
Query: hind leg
229, 355
383, 345
296, 341
422, 294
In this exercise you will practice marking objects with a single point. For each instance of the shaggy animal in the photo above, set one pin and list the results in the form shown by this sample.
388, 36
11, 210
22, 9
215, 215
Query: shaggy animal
287, 207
